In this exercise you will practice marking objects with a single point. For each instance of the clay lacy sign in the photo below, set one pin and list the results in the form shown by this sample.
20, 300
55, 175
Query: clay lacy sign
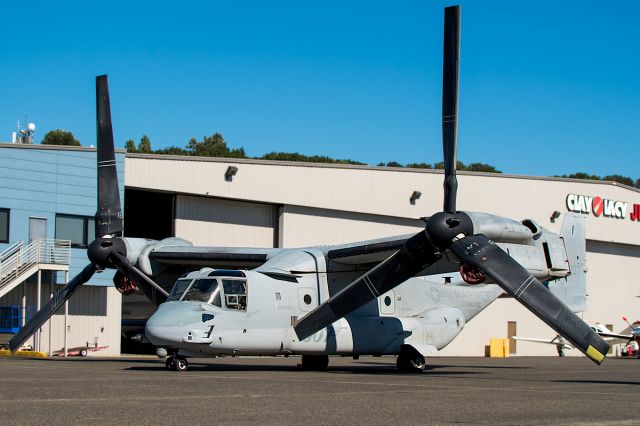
602, 207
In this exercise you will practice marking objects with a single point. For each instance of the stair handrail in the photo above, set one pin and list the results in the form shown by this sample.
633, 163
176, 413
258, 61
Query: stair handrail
43, 250
13, 247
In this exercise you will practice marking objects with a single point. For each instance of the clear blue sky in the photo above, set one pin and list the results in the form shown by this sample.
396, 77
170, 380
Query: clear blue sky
546, 87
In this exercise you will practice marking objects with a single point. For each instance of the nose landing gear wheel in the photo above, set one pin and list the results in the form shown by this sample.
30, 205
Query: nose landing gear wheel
410, 361
176, 363
180, 364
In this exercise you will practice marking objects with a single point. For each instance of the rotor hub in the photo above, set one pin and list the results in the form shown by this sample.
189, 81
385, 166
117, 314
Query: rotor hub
443, 227
100, 249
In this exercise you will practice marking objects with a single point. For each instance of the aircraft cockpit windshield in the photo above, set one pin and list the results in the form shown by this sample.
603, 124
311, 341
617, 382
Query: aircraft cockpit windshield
178, 289
216, 289
204, 290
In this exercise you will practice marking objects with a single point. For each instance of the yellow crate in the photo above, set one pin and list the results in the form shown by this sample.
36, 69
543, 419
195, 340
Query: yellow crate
498, 348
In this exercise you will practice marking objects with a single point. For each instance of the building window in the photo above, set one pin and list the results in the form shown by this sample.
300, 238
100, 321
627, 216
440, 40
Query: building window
79, 229
4, 225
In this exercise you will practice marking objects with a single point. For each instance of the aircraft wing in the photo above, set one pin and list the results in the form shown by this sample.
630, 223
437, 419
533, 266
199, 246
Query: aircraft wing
174, 251
237, 257
361, 254
625, 337
555, 341
365, 252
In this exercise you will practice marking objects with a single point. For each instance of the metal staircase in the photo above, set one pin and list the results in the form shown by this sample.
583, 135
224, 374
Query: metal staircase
17, 262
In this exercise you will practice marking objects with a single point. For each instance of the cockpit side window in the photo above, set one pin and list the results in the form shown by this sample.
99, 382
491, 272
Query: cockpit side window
202, 290
235, 294
178, 289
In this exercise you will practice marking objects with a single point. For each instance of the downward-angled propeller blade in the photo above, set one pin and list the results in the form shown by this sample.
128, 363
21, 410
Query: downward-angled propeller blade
479, 251
109, 214
450, 73
51, 307
415, 255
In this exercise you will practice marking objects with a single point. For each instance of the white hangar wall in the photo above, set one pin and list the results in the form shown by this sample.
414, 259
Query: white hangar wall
227, 222
307, 226
299, 204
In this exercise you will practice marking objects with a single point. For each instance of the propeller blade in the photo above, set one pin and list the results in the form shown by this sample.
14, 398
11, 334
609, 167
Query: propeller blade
152, 290
109, 214
415, 255
479, 251
51, 307
450, 74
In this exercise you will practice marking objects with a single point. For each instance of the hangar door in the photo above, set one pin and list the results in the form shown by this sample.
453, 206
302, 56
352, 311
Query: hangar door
215, 222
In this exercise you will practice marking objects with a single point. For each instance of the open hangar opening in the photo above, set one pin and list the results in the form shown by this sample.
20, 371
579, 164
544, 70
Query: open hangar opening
282, 204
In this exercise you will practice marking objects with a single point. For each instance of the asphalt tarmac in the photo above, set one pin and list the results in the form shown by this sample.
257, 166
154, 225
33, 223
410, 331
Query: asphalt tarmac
519, 390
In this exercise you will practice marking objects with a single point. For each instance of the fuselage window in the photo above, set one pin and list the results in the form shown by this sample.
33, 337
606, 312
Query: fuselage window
203, 290
235, 294
178, 289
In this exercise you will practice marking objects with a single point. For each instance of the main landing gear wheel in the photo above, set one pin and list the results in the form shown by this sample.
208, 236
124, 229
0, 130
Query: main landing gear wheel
176, 363
168, 363
411, 361
315, 362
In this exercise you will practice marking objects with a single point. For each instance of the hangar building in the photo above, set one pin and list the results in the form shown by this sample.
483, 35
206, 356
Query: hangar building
290, 204
257, 203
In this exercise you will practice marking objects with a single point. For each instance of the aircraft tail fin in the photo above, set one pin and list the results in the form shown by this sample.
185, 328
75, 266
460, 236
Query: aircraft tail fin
572, 290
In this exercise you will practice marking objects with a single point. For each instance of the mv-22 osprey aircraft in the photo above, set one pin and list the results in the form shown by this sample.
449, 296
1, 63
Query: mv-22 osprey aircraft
377, 297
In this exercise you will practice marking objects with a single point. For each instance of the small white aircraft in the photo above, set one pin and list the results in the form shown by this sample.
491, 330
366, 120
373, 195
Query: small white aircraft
557, 341
408, 295
602, 330
629, 336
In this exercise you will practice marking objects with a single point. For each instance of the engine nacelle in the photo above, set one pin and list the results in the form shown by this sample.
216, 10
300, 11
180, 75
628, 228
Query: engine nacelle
502, 229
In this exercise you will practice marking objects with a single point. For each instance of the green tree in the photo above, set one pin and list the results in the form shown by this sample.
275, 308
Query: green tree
581, 175
213, 146
481, 167
394, 164
144, 146
620, 179
294, 156
172, 150
60, 137
130, 146
419, 166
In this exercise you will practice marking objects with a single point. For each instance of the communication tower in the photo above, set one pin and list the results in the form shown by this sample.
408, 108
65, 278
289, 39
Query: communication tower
24, 136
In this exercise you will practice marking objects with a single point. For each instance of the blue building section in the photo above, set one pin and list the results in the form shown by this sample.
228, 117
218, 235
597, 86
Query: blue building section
44, 187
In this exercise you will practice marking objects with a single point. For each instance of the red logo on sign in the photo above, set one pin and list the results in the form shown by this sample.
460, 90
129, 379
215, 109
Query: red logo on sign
598, 206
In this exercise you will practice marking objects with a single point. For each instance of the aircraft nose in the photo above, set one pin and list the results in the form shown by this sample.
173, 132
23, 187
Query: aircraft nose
164, 325
157, 332
169, 323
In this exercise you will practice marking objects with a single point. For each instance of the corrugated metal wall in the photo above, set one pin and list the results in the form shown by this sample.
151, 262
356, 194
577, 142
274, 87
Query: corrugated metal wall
305, 226
218, 222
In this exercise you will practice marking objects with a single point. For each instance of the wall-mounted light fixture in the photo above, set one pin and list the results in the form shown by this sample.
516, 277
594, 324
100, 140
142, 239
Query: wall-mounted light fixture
230, 173
416, 195
554, 216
